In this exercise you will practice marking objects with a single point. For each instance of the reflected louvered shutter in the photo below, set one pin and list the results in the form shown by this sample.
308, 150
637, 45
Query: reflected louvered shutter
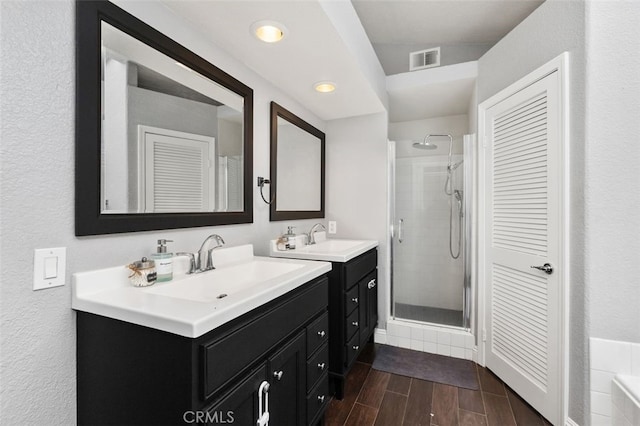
177, 172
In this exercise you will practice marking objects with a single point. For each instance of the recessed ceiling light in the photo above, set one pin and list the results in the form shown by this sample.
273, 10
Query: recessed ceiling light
324, 86
269, 31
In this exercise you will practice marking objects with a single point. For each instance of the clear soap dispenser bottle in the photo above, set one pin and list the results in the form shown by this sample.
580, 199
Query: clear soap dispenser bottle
290, 237
164, 261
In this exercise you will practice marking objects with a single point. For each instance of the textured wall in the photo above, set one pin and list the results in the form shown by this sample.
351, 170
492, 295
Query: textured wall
357, 162
554, 27
612, 198
37, 95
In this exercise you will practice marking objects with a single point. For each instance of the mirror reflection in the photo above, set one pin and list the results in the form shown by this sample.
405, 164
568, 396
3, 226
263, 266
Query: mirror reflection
298, 173
172, 139
297, 167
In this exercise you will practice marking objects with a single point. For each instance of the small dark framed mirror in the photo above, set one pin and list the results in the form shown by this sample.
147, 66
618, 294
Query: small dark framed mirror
164, 139
297, 167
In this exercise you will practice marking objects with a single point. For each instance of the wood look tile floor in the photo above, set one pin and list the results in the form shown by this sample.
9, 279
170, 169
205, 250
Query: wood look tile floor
374, 397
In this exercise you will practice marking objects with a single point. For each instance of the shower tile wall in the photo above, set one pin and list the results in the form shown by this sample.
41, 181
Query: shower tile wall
424, 272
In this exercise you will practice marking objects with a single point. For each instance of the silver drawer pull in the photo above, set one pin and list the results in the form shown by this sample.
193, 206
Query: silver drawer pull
371, 284
354, 323
322, 333
321, 366
355, 347
354, 300
278, 374
320, 399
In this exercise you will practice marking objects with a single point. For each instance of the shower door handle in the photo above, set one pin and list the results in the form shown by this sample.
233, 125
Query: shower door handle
400, 225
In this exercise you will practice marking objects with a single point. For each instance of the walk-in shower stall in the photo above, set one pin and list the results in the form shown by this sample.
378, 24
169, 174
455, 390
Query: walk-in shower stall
431, 191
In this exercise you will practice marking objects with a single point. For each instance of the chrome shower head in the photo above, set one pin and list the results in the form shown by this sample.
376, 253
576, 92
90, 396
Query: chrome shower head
424, 145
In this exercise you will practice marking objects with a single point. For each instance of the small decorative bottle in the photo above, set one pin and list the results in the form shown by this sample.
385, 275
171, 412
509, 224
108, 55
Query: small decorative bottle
164, 261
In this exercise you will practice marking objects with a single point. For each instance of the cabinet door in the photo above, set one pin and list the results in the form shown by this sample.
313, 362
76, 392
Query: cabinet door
240, 405
287, 375
368, 306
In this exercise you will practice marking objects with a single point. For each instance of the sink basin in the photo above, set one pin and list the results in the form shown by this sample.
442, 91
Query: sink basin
226, 282
330, 250
192, 305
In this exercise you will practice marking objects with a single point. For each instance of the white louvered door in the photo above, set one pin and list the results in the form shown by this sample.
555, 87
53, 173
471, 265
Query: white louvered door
177, 174
522, 183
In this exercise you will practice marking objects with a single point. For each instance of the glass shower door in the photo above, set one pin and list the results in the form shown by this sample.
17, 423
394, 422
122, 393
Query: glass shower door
428, 283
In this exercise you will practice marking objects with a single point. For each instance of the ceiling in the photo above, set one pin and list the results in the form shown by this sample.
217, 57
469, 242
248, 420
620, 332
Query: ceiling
464, 29
327, 40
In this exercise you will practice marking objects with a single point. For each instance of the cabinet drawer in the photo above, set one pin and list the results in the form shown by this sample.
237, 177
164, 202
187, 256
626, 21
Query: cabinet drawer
317, 365
351, 300
257, 337
351, 324
352, 348
318, 398
317, 333
358, 267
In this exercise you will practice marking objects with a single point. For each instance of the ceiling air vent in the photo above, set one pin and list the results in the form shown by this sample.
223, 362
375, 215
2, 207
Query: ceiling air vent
424, 59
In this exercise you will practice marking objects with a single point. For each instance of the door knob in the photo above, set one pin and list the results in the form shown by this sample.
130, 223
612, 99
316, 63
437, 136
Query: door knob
546, 268
278, 374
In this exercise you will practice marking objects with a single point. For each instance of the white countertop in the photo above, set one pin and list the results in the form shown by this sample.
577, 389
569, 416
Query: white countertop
329, 250
188, 305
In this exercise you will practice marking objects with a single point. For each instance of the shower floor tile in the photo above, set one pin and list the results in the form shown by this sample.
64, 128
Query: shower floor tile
429, 314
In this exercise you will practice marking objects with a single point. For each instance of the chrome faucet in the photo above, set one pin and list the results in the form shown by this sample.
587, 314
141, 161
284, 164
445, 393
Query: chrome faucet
311, 235
207, 264
202, 261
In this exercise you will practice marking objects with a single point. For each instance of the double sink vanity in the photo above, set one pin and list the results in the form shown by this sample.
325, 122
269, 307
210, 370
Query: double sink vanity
257, 339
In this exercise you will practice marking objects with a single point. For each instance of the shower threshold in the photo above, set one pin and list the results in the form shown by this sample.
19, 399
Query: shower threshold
429, 314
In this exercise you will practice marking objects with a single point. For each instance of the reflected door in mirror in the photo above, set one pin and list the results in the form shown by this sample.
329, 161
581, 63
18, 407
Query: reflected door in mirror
170, 137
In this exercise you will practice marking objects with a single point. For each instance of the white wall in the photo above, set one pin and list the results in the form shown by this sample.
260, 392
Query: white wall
556, 26
37, 96
356, 187
404, 133
612, 180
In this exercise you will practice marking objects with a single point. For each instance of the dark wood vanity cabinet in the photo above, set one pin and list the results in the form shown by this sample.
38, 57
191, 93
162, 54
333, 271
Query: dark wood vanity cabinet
130, 374
353, 313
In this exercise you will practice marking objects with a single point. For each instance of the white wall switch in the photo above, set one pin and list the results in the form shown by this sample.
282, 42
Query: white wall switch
333, 227
49, 267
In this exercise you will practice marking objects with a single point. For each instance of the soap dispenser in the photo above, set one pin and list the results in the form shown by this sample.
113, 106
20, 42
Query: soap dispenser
164, 261
290, 238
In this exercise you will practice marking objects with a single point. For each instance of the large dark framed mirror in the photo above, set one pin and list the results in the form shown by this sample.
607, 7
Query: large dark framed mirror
297, 167
164, 139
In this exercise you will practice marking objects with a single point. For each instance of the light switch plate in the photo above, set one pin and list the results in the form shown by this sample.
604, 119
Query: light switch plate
49, 267
333, 227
